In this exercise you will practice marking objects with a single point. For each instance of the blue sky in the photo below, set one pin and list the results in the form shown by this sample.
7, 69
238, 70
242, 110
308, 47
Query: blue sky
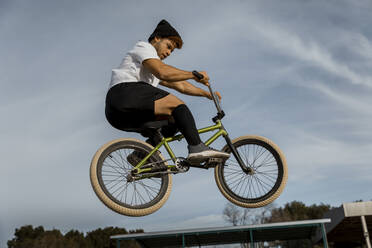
297, 72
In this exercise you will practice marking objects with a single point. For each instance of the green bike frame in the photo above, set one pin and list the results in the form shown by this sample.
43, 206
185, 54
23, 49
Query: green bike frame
164, 142
218, 126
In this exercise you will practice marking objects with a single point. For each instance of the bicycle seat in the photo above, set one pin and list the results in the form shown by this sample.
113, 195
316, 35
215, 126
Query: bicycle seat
148, 126
155, 124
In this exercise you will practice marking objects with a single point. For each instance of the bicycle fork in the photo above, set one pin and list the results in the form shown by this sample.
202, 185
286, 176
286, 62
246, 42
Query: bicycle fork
236, 154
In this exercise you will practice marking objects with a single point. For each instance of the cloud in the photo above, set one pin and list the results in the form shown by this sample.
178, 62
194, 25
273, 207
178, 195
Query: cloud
211, 220
286, 70
357, 104
310, 51
310, 153
361, 45
203, 221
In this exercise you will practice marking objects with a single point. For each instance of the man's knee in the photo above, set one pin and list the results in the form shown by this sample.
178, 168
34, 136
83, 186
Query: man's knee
167, 104
174, 101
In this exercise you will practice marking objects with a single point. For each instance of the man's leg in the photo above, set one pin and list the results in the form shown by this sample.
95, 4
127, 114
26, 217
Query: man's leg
172, 106
166, 105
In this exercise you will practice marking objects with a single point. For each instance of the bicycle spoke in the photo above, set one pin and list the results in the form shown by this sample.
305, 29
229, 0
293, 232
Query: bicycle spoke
246, 186
134, 195
124, 190
113, 167
149, 189
114, 171
238, 181
265, 184
243, 181
233, 168
153, 189
254, 188
268, 172
108, 174
272, 179
149, 194
264, 175
113, 180
264, 161
113, 193
232, 162
152, 179
121, 157
250, 186
112, 158
231, 175
246, 157
262, 186
258, 155
234, 180
141, 199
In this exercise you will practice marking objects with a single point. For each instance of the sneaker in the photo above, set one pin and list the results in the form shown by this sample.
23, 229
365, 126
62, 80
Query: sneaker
200, 153
135, 157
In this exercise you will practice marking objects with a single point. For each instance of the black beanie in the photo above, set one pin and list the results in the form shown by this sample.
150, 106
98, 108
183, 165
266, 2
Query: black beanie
164, 30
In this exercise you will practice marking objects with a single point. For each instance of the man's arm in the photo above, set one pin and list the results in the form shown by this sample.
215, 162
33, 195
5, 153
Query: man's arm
187, 88
171, 74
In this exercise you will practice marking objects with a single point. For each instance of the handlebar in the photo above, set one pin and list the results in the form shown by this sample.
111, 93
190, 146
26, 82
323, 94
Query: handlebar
220, 113
197, 75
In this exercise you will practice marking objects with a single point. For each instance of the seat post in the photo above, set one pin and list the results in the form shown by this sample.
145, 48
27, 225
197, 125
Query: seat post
153, 131
158, 136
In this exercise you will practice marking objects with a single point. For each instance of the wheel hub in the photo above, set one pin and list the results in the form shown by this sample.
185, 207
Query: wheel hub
130, 178
250, 171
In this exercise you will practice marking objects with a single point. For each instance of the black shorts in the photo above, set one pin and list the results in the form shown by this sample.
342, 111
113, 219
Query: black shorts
129, 105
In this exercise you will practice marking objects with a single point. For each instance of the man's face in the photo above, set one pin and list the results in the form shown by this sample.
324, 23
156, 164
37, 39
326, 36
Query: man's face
164, 47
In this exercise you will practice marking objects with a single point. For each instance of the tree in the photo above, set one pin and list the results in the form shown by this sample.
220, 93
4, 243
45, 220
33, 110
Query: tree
76, 239
244, 216
100, 238
25, 236
232, 214
291, 211
294, 211
29, 237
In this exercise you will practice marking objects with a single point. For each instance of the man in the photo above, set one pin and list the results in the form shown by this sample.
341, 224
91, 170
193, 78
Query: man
134, 99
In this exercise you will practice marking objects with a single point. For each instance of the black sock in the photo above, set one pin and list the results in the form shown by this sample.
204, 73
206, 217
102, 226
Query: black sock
186, 124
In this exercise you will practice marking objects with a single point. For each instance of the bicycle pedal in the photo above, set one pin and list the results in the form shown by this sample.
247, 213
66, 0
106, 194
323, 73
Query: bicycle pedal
213, 162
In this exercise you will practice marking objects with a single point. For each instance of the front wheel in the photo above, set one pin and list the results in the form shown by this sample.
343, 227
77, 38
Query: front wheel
109, 172
263, 183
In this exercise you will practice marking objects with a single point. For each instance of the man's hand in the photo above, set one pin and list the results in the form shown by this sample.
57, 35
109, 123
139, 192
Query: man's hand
204, 80
209, 96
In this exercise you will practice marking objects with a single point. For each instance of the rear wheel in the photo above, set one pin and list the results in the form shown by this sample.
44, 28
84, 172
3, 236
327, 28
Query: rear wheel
109, 172
266, 180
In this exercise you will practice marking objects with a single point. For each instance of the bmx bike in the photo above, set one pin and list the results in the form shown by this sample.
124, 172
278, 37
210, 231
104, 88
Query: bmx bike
253, 176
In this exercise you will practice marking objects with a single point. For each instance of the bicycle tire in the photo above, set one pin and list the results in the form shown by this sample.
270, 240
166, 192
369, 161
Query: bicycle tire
97, 178
265, 146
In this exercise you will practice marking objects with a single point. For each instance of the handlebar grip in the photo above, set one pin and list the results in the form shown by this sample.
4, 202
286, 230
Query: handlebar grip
197, 75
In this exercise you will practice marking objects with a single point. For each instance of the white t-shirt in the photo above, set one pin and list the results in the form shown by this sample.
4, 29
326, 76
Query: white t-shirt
131, 68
